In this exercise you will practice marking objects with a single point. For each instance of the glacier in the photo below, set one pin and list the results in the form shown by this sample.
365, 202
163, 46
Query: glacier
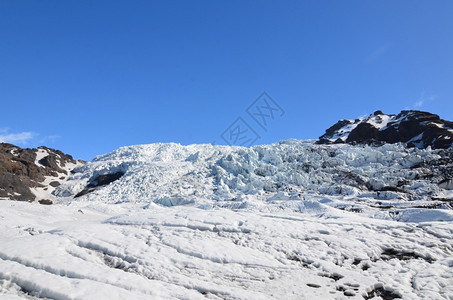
268, 177
292, 220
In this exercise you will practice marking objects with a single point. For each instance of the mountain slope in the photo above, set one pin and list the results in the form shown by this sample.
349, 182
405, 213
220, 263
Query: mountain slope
415, 128
32, 174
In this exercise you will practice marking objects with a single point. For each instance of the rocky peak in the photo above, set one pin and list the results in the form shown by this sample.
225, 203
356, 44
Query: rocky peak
32, 174
415, 128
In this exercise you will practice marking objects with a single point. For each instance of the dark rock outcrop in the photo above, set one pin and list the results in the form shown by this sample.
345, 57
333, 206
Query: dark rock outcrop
20, 170
363, 133
415, 128
99, 181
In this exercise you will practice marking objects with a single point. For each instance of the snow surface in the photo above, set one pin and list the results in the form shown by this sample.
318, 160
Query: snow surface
380, 121
284, 221
126, 251
40, 154
13, 151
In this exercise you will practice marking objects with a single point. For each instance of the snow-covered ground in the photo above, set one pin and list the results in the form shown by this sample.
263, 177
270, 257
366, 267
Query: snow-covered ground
124, 251
292, 220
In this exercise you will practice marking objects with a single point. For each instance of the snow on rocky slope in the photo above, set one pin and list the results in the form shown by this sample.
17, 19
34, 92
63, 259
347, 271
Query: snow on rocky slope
291, 220
32, 174
415, 128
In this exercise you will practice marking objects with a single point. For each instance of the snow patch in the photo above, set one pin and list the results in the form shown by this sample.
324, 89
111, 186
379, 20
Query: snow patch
40, 154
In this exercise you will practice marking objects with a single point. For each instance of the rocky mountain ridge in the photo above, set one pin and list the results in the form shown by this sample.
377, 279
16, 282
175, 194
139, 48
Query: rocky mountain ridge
414, 128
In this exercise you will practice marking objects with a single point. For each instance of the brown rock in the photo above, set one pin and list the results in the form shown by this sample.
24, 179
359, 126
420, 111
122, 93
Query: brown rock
19, 172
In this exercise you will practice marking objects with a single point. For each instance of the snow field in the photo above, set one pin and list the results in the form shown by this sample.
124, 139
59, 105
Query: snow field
92, 250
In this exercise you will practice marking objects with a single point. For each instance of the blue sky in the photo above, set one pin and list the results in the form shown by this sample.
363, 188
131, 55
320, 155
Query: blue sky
87, 77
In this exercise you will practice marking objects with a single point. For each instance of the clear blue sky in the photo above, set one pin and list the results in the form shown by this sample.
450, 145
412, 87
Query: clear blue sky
87, 77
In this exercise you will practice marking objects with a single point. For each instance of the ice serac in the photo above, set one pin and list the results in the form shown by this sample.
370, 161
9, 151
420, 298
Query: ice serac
386, 179
414, 128
32, 174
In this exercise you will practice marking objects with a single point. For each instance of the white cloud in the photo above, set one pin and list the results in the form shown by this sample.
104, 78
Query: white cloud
418, 104
25, 138
16, 138
423, 100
